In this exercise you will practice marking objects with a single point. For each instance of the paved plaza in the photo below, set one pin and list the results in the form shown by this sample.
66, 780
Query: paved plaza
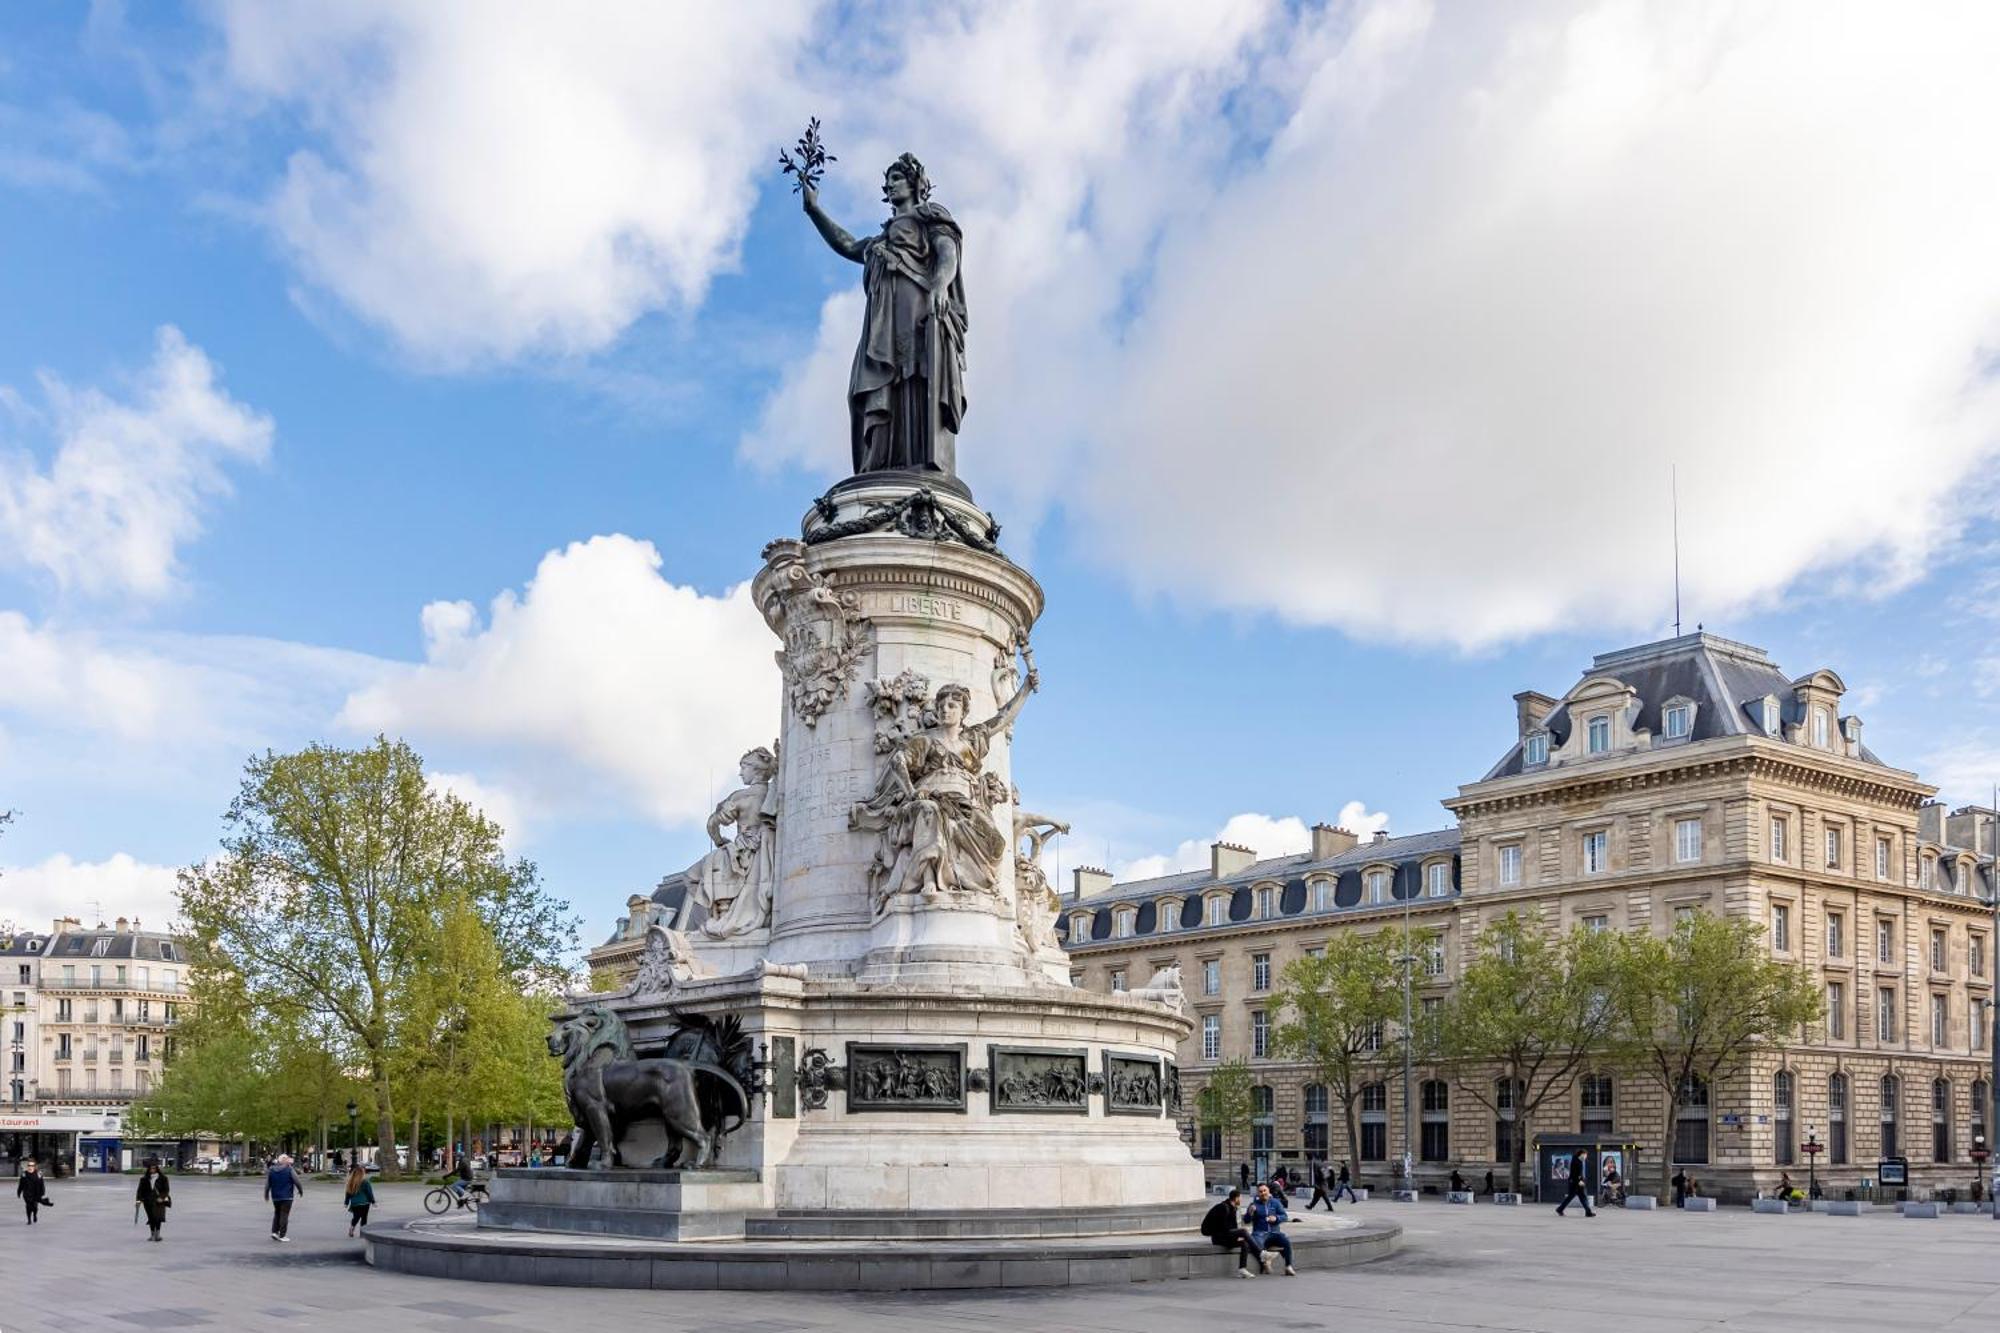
88, 1267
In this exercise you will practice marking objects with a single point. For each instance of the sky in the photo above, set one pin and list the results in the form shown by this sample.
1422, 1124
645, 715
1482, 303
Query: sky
429, 371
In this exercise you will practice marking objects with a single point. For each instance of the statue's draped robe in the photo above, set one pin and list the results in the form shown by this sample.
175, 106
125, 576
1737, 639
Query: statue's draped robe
938, 830
742, 871
906, 394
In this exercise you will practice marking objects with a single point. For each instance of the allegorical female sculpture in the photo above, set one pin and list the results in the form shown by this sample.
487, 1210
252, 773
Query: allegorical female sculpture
934, 803
906, 393
734, 881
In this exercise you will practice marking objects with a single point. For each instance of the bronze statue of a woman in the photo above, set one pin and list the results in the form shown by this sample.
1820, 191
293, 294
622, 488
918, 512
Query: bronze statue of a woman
906, 394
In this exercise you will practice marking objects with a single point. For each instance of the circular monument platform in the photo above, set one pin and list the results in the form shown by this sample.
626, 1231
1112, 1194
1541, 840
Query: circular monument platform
911, 1250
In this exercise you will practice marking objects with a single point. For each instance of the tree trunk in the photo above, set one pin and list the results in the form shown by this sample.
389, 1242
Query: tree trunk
417, 1139
450, 1159
385, 1127
1353, 1134
1667, 1152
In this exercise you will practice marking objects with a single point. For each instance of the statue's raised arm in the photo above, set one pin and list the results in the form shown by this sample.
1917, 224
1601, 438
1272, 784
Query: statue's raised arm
838, 237
1010, 710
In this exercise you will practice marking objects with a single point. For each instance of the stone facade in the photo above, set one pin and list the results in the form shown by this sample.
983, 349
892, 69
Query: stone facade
1680, 775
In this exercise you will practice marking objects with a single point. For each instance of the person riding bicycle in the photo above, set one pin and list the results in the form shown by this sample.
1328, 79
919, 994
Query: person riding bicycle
461, 1182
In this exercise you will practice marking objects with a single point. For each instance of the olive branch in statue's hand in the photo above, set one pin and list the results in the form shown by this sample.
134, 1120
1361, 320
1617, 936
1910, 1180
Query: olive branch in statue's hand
811, 162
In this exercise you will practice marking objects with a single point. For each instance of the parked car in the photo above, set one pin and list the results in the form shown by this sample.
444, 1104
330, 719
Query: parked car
208, 1166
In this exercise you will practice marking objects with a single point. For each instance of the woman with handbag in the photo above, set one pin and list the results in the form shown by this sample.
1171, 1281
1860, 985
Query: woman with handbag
155, 1198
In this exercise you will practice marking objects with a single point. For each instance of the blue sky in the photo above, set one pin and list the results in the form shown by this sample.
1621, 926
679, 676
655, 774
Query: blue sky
1327, 366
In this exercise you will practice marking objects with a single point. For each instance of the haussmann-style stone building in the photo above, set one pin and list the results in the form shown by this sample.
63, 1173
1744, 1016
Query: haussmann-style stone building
1690, 774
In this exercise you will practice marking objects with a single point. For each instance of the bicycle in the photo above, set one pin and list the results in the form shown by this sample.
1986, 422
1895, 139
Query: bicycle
441, 1198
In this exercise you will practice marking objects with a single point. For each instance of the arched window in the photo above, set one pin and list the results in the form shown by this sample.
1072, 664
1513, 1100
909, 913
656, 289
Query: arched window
1836, 1120
1374, 1122
1263, 1130
1507, 1145
1691, 1123
1781, 1117
1315, 1126
1434, 1138
1891, 1094
1941, 1120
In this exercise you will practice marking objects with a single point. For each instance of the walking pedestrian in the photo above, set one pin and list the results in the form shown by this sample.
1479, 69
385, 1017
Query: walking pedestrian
1266, 1217
155, 1196
1457, 1182
1680, 1183
1579, 1184
281, 1186
359, 1197
1490, 1191
1225, 1232
1319, 1187
1344, 1185
32, 1190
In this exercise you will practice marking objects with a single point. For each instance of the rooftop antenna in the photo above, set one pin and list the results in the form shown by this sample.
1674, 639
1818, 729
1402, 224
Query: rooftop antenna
1674, 489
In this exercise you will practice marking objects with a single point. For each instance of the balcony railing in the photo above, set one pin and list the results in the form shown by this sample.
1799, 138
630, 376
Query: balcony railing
112, 983
62, 1057
118, 1057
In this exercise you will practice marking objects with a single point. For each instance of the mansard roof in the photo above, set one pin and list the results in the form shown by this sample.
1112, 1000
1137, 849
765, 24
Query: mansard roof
1727, 682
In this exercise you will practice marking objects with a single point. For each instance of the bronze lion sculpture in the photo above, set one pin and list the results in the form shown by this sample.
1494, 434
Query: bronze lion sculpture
697, 1100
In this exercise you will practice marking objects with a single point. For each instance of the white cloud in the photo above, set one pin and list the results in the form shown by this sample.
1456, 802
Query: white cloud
1266, 835
91, 891
1964, 772
128, 479
1450, 338
600, 673
483, 185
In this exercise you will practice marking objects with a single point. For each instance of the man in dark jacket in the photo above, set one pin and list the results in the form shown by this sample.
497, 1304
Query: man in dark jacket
281, 1186
32, 1190
1345, 1185
1319, 1187
1222, 1230
1579, 1184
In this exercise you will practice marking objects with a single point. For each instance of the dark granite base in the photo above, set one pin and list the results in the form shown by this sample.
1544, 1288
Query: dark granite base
975, 1223
454, 1249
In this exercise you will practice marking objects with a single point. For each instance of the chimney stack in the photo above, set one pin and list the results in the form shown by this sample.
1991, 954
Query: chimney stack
1329, 842
1090, 881
1381, 835
124, 926
1530, 707
1228, 858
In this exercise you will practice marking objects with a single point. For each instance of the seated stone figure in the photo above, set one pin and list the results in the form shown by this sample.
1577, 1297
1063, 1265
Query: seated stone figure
733, 882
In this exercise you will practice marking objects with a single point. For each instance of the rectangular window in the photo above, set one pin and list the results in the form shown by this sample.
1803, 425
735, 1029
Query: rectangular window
1781, 927
1121, 922
1836, 1010
1537, 750
1510, 863
1600, 735
1687, 840
1597, 924
1267, 902
1118, 979
1260, 1033
1322, 895
1434, 957
1677, 719
1596, 852
1881, 858
1440, 873
1211, 976
1940, 1023
1975, 1022
1260, 971
1833, 849
1836, 935
1975, 949
1937, 950
1780, 828
1821, 727
1378, 886
1211, 1144
1885, 1014
1885, 939
1211, 1036
1076, 978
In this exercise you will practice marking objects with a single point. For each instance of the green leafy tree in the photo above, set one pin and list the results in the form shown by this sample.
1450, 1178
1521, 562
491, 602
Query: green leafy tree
1337, 1010
1226, 1103
338, 871
1695, 1004
1527, 1014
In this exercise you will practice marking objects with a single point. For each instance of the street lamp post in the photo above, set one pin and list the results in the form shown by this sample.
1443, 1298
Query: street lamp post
1812, 1147
353, 1134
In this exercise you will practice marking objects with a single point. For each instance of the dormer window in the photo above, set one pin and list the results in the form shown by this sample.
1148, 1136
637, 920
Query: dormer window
1079, 927
100, 947
1822, 728
1378, 886
1322, 895
1267, 901
1927, 873
1440, 879
1599, 735
166, 951
1677, 721
1536, 749
1121, 922
1218, 910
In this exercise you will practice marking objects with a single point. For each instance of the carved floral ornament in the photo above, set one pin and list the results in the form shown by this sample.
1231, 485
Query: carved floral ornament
824, 630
